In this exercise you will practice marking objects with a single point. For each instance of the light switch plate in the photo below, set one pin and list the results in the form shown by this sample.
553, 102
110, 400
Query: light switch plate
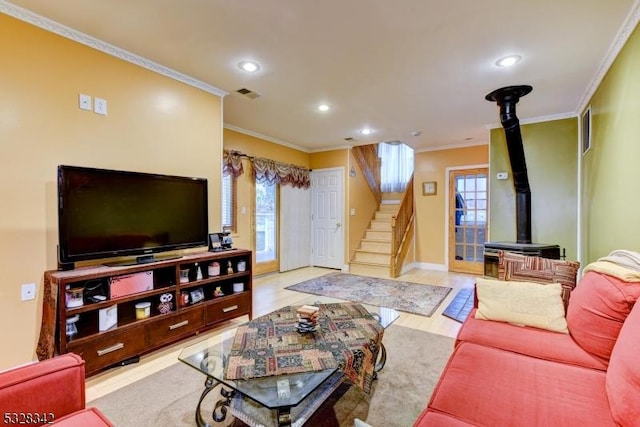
100, 106
502, 175
84, 102
28, 291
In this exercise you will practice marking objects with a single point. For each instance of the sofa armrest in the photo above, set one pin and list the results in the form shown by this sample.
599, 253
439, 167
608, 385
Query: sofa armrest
46, 390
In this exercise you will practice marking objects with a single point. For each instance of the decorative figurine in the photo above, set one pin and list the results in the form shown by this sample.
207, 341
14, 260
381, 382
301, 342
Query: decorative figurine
165, 305
198, 272
218, 292
229, 268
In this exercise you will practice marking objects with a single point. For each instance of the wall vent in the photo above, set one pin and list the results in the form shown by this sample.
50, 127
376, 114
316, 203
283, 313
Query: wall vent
248, 93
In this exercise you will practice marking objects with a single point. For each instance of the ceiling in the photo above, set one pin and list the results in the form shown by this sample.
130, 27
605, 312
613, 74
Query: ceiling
398, 67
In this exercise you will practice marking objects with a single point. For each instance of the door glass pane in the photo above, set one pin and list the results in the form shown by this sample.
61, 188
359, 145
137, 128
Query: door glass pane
470, 216
266, 230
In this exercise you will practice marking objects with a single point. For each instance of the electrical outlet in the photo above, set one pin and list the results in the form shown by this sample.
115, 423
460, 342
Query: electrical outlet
28, 291
502, 175
84, 102
100, 106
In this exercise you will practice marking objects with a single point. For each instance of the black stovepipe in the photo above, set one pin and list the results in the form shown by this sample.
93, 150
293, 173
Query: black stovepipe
507, 98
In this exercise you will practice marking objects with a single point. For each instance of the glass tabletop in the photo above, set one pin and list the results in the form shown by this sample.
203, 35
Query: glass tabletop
210, 357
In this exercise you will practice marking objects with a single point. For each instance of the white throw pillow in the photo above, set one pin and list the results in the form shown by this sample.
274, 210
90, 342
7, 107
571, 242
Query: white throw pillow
522, 303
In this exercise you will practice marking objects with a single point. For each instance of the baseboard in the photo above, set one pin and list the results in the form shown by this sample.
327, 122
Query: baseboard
429, 266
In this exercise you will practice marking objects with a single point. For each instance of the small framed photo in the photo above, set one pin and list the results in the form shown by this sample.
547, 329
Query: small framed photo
429, 188
196, 295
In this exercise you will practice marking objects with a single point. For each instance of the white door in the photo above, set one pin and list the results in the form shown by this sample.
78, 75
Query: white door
327, 230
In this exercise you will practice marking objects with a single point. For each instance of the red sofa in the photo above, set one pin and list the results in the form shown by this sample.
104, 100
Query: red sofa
506, 375
48, 391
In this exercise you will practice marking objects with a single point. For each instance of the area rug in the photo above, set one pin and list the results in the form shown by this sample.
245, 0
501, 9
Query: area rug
461, 305
168, 398
409, 297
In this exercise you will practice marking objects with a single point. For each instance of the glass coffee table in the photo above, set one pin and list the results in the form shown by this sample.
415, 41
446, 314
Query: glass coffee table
280, 400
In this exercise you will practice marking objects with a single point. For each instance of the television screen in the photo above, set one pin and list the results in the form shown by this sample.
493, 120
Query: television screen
107, 213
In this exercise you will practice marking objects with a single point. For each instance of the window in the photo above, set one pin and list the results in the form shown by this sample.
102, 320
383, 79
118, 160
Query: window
397, 165
229, 199
586, 130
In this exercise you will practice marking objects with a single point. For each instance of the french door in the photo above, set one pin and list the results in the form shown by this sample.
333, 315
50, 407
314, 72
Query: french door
468, 214
266, 245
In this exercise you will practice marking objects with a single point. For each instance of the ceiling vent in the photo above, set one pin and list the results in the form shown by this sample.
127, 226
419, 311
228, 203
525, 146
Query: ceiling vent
248, 93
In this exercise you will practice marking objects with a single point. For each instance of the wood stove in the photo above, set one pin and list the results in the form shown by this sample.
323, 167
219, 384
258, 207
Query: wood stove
507, 98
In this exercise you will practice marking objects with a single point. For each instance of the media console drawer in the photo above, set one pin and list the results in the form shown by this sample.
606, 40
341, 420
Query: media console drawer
109, 348
176, 325
227, 308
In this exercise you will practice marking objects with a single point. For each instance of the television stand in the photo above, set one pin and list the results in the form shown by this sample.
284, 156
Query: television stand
115, 329
143, 259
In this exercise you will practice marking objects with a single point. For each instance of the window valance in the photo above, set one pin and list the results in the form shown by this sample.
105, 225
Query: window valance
266, 170
232, 163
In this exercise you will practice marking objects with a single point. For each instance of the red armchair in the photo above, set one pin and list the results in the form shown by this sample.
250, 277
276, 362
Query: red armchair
51, 391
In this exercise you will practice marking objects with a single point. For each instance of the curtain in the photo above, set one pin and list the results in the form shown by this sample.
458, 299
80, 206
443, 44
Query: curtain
232, 163
295, 227
397, 166
272, 172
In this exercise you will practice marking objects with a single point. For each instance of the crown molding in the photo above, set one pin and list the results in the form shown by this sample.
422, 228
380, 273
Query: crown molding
449, 147
69, 33
539, 119
265, 137
619, 41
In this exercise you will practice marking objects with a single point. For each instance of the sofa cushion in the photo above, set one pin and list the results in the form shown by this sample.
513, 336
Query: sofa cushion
489, 386
623, 375
598, 308
524, 303
431, 418
528, 341
90, 417
516, 267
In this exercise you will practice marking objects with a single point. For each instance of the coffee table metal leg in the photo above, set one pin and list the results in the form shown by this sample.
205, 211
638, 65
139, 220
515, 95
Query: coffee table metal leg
382, 360
284, 417
219, 412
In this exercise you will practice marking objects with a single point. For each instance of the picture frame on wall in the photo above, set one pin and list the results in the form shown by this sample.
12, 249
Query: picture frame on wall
429, 188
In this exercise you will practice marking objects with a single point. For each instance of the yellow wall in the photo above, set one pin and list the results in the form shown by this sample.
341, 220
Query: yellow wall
431, 217
154, 124
255, 147
362, 200
610, 178
551, 155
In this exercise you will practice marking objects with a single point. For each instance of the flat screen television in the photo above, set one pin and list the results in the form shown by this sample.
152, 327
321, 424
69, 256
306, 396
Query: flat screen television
107, 213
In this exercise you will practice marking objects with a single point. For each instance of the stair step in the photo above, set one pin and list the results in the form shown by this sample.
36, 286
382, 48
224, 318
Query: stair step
375, 245
389, 207
384, 225
373, 257
369, 269
380, 215
378, 235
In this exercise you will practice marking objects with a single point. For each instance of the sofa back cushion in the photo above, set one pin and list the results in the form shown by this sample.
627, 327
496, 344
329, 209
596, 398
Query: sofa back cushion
599, 306
623, 375
522, 268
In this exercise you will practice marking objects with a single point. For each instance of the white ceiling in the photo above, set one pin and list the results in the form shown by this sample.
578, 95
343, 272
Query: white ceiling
395, 66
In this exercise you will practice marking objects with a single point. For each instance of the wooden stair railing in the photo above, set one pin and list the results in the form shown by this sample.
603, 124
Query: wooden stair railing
367, 158
401, 230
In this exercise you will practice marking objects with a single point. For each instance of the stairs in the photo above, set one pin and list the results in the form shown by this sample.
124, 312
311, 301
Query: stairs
373, 257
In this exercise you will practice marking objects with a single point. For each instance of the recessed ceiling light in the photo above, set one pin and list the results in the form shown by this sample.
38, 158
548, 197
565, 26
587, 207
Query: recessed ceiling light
249, 66
366, 131
508, 61
323, 107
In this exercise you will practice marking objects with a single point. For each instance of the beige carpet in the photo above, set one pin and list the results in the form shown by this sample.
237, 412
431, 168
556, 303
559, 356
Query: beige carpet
414, 363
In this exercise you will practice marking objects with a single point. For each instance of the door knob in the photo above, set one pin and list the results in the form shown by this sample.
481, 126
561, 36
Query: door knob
338, 224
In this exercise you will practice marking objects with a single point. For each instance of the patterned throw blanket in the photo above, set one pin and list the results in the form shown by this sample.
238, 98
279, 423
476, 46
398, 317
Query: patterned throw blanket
622, 264
348, 337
